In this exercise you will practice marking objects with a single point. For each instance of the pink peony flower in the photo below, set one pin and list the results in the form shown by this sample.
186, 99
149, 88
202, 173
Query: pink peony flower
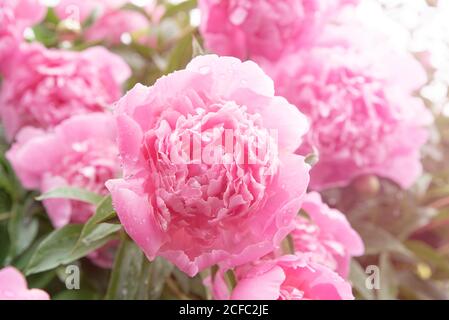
112, 25
365, 119
263, 28
192, 197
80, 152
327, 234
286, 278
50, 85
111, 20
13, 286
15, 17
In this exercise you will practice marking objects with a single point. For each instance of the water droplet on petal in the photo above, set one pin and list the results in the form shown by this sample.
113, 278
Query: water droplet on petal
204, 69
238, 16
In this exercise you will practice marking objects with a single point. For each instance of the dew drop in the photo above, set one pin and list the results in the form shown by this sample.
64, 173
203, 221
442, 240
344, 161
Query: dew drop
238, 16
126, 38
204, 69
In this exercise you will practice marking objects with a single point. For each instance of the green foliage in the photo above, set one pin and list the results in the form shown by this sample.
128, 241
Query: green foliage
134, 277
66, 245
72, 193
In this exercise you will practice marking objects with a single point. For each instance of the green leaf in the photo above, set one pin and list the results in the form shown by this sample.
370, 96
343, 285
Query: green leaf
421, 289
104, 211
8, 181
125, 272
358, 278
41, 280
81, 294
230, 279
181, 54
173, 9
54, 249
134, 277
4, 244
52, 17
72, 193
153, 276
429, 255
197, 48
62, 246
388, 282
5, 202
99, 232
192, 287
378, 240
93, 240
144, 51
133, 7
45, 35
22, 261
22, 229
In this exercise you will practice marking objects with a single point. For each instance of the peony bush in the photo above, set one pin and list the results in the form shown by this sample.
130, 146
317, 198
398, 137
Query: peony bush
365, 119
214, 149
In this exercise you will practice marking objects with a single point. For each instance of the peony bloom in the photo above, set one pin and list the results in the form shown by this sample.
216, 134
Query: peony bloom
80, 152
286, 278
364, 117
50, 85
209, 165
111, 21
13, 286
15, 17
112, 25
327, 235
263, 28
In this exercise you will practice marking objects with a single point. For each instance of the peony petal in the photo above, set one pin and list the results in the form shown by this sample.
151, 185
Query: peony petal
136, 215
263, 287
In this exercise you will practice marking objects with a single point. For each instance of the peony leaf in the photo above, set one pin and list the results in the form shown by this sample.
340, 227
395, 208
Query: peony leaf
192, 287
358, 278
81, 294
412, 287
72, 193
4, 243
22, 229
180, 54
104, 212
99, 232
54, 249
134, 277
62, 246
173, 9
197, 48
429, 255
10, 187
133, 7
388, 282
97, 238
378, 240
